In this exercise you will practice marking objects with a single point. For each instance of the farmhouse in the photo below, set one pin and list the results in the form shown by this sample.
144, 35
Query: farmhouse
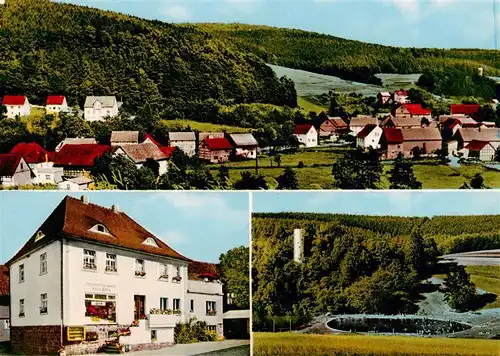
145, 154
14, 170
400, 96
78, 159
391, 142
4, 304
391, 121
408, 111
481, 150
424, 140
185, 141
466, 136
56, 104
332, 128
245, 145
358, 123
215, 150
75, 141
306, 134
76, 184
93, 273
121, 138
369, 137
40, 161
96, 108
16, 105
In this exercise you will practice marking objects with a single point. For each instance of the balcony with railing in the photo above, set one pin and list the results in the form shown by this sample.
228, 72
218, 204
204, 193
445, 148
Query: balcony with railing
164, 318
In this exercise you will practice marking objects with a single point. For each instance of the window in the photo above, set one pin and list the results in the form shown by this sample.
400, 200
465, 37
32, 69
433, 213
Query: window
89, 259
163, 303
139, 268
100, 307
110, 262
177, 304
164, 271
150, 242
39, 236
47, 176
212, 327
21, 273
43, 263
21, 307
101, 229
178, 271
211, 308
43, 303
191, 305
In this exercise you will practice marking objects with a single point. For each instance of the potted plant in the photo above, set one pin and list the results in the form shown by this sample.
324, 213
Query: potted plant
211, 312
177, 279
140, 273
164, 276
110, 269
176, 312
135, 323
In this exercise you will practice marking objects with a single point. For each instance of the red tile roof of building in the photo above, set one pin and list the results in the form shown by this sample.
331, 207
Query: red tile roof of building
366, 131
218, 143
32, 152
476, 145
79, 155
9, 163
14, 100
465, 109
401, 92
201, 270
168, 150
416, 109
150, 137
55, 100
74, 219
302, 129
393, 135
4, 280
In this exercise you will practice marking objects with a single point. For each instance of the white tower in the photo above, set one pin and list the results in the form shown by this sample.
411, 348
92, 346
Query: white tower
298, 245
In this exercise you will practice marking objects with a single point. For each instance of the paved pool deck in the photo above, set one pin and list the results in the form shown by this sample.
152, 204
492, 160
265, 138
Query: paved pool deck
190, 349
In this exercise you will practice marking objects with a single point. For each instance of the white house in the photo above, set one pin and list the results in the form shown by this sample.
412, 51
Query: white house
306, 134
142, 152
56, 104
75, 184
93, 273
369, 137
186, 141
14, 171
4, 304
96, 108
16, 105
46, 173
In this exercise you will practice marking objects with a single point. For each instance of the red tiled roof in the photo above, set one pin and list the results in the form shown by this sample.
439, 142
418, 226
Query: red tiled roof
201, 270
9, 163
32, 152
302, 129
150, 137
466, 109
14, 100
476, 145
167, 151
416, 109
217, 143
366, 131
79, 155
4, 280
73, 219
55, 100
393, 135
401, 92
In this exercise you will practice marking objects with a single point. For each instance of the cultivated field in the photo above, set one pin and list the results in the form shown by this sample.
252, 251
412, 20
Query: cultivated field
292, 344
307, 105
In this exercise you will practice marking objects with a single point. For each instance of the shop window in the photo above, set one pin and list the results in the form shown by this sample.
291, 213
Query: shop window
100, 307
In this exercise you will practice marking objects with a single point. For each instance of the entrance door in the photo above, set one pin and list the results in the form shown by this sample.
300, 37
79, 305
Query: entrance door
139, 304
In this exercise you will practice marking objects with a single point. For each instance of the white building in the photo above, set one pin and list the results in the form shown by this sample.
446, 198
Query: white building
359, 122
4, 304
369, 137
96, 108
306, 134
93, 272
75, 184
186, 141
14, 171
56, 104
16, 105
46, 173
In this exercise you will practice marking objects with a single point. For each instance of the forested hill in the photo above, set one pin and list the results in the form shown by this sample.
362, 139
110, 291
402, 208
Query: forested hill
349, 59
451, 233
55, 48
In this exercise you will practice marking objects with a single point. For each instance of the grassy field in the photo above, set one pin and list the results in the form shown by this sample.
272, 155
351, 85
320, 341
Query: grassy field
487, 278
308, 105
201, 126
290, 344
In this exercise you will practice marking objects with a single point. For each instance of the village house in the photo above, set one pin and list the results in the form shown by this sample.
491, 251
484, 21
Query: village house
56, 104
332, 128
306, 134
4, 304
391, 142
408, 111
142, 154
245, 145
369, 137
93, 273
16, 105
409, 123
481, 150
77, 160
40, 161
97, 108
359, 122
215, 150
75, 141
185, 141
76, 184
464, 109
14, 170
121, 138
424, 140
384, 97
400, 96
466, 136
167, 150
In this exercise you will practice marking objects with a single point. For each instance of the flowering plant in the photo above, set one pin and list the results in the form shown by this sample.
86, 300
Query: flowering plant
176, 279
110, 269
135, 323
89, 266
164, 276
211, 312
140, 273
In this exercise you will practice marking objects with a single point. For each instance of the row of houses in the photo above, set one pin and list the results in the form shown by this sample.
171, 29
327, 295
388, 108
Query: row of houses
91, 275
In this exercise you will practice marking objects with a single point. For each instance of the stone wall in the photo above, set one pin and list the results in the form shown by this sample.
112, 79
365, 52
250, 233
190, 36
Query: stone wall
152, 346
36, 340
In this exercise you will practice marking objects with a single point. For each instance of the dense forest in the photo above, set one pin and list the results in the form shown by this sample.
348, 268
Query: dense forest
355, 263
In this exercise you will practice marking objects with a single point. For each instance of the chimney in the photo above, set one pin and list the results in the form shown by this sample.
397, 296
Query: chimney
84, 199
115, 208
298, 245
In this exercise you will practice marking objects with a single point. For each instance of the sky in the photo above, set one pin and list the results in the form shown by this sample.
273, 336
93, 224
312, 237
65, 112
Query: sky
409, 23
199, 225
395, 203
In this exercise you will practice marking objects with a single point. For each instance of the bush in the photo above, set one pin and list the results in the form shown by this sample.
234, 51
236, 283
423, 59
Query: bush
193, 331
300, 164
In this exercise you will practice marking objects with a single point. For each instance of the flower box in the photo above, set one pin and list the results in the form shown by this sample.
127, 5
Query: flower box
110, 269
177, 279
211, 313
164, 276
140, 273
90, 266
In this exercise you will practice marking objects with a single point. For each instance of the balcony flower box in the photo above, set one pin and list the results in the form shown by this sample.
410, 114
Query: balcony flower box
140, 273
110, 269
164, 277
21, 315
135, 323
177, 279
212, 312
90, 266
